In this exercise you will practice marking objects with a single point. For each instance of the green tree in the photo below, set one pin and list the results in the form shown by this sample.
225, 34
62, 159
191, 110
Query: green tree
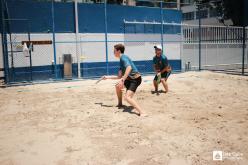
227, 9
115, 1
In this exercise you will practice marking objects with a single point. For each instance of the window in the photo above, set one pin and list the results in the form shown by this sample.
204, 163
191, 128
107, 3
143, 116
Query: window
188, 16
203, 14
213, 13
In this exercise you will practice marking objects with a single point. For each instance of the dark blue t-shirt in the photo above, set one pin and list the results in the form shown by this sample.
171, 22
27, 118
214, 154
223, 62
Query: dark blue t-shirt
160, 62
125, 61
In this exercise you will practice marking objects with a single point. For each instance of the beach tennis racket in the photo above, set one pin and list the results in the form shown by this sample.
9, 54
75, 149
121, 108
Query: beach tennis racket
99, 80
158, 79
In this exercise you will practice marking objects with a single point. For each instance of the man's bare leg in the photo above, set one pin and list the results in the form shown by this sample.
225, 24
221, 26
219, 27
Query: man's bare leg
155, 85
132, 102
119, 96
165, 84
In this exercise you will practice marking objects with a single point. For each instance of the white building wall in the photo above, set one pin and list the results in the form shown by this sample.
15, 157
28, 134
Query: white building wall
91, 48
41, 54
214, 56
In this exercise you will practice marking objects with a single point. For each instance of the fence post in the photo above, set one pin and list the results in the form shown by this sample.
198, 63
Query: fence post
244, 37
106, 35
162, 26
199, 32
54, 45
217, 49
30, 52
206, 55
243, 51
181, 46
4, 42
76, 29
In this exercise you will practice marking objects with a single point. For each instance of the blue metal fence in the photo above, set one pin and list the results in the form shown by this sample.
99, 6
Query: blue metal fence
98, 26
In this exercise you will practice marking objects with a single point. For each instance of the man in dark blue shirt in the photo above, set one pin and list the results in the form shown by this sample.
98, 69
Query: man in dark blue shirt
129, 77
162, 69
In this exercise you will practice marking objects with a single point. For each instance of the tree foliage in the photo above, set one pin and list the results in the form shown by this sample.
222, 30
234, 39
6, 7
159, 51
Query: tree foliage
227, 9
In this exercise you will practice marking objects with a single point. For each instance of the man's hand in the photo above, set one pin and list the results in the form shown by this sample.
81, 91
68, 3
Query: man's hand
159, 73
168, 69
104, 77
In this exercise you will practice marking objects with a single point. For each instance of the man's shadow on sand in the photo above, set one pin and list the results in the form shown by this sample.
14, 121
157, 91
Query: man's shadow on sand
124, 108
158, 92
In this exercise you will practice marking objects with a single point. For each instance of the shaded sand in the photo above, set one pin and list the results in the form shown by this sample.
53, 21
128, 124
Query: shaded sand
77, 122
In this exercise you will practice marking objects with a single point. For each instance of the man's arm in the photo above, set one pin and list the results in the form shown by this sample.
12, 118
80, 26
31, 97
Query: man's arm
127, 72
127, 65
113, 77
155, 69
154, 65
166, 69
120, 84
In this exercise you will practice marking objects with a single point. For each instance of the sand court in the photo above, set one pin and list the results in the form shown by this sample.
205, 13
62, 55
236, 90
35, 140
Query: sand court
79, 123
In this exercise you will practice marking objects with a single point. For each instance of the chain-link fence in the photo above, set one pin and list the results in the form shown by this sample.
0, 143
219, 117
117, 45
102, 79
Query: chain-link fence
221, 48
34, 63
141, 37
54, 31
19, 63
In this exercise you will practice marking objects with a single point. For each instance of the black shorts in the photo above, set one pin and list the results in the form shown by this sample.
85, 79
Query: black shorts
164, 75
132, 84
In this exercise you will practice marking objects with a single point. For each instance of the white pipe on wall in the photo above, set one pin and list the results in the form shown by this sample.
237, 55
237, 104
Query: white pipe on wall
77, 42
